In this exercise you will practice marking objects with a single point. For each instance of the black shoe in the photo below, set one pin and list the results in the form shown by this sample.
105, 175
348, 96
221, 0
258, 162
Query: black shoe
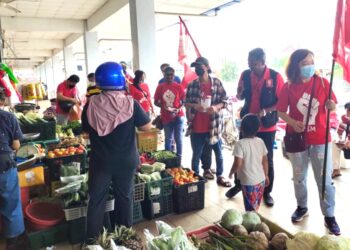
268, 200
332, 225
232, 192
299, 214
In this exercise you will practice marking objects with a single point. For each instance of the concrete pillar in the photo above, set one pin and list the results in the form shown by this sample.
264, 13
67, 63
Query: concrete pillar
143, 30
69, 62
91, 51
51, 85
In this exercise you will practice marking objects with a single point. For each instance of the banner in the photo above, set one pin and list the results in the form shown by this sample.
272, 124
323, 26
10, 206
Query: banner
341, 38
188, 52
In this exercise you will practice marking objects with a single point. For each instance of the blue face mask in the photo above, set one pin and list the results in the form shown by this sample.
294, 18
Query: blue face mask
307, 71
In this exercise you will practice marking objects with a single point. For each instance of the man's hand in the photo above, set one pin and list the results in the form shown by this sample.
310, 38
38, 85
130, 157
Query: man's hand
212, 109
199, 108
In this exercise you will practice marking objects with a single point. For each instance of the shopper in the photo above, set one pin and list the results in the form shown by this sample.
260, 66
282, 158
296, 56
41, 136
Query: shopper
250, 163
170, 98
293, 107
205, 98
10, 205
67, 97
140, 92
110, 119
92, 89
259, 87
343, 126
162, 68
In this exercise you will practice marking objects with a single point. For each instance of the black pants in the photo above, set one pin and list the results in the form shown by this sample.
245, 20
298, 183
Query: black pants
123, 187
269, 139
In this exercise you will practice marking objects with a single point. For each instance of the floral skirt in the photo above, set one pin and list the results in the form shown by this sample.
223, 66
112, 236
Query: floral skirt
252, 196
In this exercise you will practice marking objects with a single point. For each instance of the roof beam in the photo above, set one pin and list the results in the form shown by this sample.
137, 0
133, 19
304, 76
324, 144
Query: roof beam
108, 9
33, 53
42, 24
38, 44
71, 39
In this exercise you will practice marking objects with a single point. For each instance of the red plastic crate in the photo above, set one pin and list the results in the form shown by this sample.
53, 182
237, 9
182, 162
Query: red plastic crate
203, 233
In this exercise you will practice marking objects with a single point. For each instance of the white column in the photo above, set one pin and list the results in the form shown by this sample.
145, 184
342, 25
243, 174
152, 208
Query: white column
91, 51
143, 29
69, 62
51, 85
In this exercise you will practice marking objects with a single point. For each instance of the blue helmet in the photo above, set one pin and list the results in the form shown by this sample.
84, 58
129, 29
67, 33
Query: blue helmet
110, 76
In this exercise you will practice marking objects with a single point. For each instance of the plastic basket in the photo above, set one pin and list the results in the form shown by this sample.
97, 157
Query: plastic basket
189, 197
147, 141
49, 237
171, 162
139, 192
157, 207
78, 212
47, 130
203, 232
137, 215
161, 187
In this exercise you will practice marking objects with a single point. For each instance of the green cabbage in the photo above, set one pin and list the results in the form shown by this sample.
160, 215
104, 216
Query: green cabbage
331, 242
250, 220
231, 218
303, 240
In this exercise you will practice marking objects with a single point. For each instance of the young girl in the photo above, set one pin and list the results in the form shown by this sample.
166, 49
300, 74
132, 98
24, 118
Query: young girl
250, 163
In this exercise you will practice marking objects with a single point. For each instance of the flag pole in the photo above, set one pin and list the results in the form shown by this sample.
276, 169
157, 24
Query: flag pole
327, 134
186, 31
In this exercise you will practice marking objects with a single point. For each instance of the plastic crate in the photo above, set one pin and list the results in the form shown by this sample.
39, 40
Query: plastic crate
54, 164
47, 130
171, 162
48, 237
203, 232
139, 192
137, 215
78, 212
157, 207
147, 141
161, 187
189, 197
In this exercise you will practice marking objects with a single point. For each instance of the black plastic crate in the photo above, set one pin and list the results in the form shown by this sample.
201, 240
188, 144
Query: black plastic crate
48, 237
156, 189
54, 164
189, 197
137, 213
47, 130
172, 162
157, 207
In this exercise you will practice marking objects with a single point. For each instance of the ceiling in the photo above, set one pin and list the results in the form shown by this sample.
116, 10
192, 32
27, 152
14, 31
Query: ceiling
44, 27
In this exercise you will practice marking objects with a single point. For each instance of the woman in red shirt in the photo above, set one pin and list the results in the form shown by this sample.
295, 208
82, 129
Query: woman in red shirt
140, 92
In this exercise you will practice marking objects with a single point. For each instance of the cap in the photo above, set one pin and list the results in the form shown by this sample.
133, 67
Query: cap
347, 105
200, 60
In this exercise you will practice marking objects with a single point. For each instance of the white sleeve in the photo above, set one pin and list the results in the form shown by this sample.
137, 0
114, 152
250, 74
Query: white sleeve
238, 150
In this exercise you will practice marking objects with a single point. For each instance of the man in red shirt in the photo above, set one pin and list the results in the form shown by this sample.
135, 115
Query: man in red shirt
260, 88
67, 94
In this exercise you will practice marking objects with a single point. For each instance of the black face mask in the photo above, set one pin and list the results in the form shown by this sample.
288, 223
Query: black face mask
199, 71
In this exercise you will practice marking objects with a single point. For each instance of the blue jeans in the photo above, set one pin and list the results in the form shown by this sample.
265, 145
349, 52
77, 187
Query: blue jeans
300, 169
198, 141
10, 205
174, 129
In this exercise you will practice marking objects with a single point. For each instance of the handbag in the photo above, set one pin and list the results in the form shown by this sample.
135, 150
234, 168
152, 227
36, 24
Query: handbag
269, 119
157, 122
347, 150
296, 142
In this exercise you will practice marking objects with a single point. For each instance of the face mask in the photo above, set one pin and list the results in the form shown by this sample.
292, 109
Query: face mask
199, 71
307, 71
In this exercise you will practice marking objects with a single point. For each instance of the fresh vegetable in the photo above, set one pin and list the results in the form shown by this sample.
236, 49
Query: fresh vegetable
258, 241
60, 152
182, 176
231, 218
163, 155
262, 227
303, 240
331, 242
146, 168
155, 176
144, 177
159, 166
239, 230
279, 241
250, 220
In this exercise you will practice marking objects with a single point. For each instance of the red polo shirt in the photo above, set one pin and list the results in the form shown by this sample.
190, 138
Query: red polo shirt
65, 91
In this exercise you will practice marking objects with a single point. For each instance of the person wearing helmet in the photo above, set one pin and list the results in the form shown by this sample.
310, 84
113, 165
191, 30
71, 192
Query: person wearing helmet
110, 119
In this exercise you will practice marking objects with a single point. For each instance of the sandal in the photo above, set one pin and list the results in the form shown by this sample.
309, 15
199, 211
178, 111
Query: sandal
222, 182
336, 173
208, 174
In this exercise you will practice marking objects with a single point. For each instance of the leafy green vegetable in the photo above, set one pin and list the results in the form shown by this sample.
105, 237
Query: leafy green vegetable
331, 242
303, 240
231, 218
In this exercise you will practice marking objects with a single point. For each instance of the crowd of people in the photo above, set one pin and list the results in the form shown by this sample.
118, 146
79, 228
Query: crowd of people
117, 103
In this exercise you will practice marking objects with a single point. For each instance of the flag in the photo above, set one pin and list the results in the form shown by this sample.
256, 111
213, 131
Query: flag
188, 52
341, 38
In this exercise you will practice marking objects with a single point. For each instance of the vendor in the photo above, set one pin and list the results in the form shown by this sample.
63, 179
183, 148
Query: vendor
10, 205
110, 119
67, 94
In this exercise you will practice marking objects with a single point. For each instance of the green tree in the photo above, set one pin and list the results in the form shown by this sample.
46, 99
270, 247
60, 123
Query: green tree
229, 71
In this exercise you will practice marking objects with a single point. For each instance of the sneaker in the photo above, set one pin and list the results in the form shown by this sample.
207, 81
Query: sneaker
232, 192
332, 225
299, 214
268, 200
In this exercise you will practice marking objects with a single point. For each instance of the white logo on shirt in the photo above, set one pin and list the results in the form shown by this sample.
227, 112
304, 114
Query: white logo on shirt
302, 106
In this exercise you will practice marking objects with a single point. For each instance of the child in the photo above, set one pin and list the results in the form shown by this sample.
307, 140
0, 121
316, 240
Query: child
50, 112
250, 163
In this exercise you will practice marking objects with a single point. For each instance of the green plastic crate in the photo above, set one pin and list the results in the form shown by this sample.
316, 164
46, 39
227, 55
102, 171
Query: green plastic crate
137, 213
48, 237
155, 189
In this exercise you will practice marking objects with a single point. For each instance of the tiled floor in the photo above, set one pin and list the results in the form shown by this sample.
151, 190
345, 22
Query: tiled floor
283, 193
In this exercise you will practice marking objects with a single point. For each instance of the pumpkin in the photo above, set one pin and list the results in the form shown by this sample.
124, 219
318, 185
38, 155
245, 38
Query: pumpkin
279, 241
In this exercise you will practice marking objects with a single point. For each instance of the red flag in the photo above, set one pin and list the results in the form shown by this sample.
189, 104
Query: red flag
188, 52
341, 38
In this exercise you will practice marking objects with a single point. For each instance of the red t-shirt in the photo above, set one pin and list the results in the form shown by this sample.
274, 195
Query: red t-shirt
170, 95
143, 97
201, 121
256, 87
65, 91
296, 97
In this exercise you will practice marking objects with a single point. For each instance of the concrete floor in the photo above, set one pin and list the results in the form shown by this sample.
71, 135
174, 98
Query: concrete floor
283, 193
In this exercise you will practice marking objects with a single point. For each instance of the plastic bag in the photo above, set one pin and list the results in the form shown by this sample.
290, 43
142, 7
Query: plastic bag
69, 188
113, 247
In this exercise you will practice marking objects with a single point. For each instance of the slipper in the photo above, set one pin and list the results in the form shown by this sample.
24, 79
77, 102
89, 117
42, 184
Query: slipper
222, 182
336, 175
208, 175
